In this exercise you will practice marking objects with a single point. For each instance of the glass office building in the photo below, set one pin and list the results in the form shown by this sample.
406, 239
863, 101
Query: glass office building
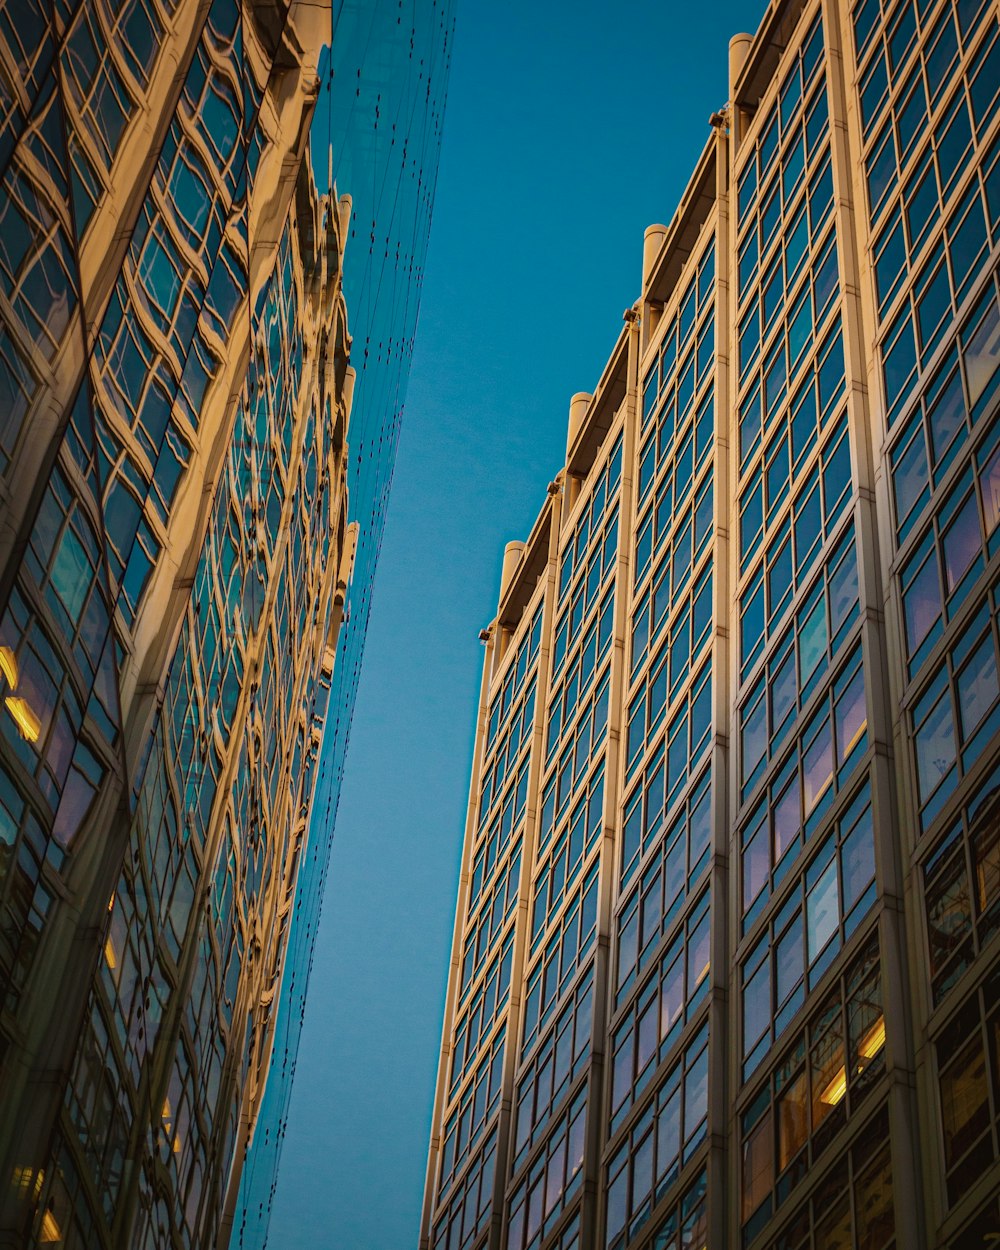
180, 554
726, 970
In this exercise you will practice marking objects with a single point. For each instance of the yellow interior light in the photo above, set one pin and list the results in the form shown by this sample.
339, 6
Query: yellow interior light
836, 1089
28, 724
110, 958
168, 1127
873, 1040
8, 666
23, 1177
50, 1231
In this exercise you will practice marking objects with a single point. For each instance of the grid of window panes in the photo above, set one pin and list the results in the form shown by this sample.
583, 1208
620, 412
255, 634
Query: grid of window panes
805, 879
657, 1049
214, 1042
250, 647
480, 1033
929, 84
546, 1166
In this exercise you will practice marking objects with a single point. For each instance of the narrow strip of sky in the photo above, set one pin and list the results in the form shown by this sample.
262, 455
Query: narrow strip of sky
569, 129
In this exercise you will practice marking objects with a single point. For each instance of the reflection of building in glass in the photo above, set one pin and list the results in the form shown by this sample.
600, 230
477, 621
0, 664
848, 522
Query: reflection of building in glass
175, 555
726, 969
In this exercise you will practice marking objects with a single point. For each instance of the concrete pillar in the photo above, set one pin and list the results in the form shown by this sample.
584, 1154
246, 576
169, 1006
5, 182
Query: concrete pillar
652, 241
512, 554
739, 46
578, 406
345, 207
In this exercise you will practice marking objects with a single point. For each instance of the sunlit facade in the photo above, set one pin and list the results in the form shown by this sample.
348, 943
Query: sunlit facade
176, 555
726, 969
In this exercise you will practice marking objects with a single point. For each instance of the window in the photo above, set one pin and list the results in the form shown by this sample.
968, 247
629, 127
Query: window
969, 1088
37, 270
687, 737
663, 1139
670, 876
517, 732
553, 1180
559, 1060
821, 1080
502, 704
484, 1009
690, 606
688, 337
96, 85
582, 748
652, 1025
678, 859
788, 138
798, 662
558, 874
957, 714
478, 1102
494, 837
590, 534
688, 635
484, 925
468, 1210
825, 905
962, 888
866, 1224
793, 546
567, 949
688, 1220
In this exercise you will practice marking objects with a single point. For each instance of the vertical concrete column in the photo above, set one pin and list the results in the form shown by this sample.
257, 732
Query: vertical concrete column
506, 1124
614, 772
512, 554
739, 47
652, 242
723, 1184
491, 639
578, 406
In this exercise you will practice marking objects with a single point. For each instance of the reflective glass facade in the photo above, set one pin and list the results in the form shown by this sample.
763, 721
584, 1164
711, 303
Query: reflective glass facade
726, 969
183, 537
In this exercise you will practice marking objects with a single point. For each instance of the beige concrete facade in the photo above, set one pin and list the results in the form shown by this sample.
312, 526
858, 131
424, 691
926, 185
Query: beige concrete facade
725, 970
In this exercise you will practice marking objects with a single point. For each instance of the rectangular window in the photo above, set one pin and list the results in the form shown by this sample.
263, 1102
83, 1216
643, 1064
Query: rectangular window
553, 1180
820, 1082
969, 1089
650, 1028
826, 905
562, 1056
663, 1139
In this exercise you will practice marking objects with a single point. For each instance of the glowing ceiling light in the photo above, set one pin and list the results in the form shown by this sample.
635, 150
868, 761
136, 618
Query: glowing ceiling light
836, 1089
873, 1040
8, 665
23, 1177
28, 724
50, 1231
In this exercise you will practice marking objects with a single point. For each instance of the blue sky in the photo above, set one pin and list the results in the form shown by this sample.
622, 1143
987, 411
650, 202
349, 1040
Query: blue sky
569, 129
